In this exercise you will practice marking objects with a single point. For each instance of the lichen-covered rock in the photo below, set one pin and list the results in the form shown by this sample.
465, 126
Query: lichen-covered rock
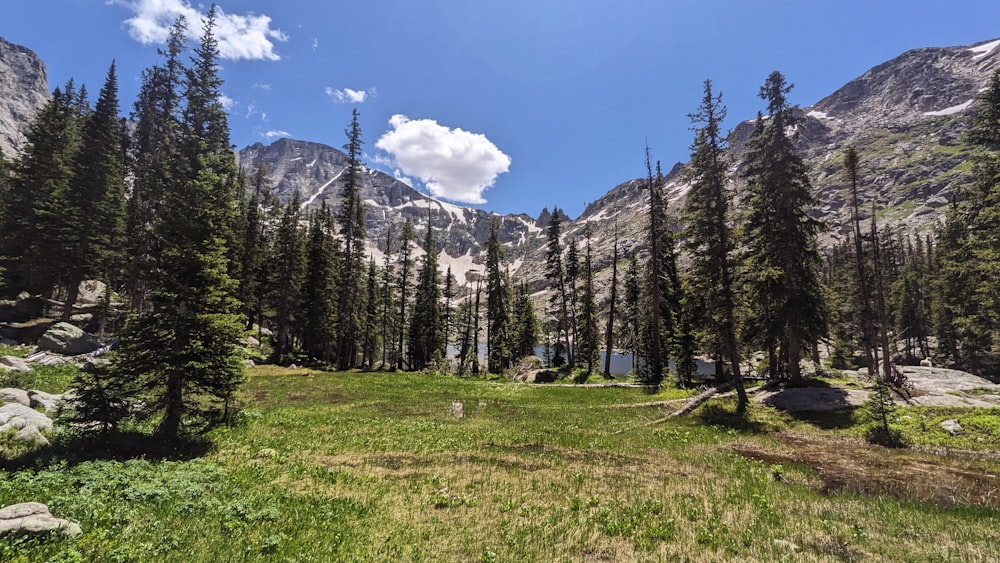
952, 427
48, 401
34, 518
64, 338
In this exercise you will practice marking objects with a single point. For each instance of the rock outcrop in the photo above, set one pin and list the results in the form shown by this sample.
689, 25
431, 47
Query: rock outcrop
24, 89
67, 339
34, 518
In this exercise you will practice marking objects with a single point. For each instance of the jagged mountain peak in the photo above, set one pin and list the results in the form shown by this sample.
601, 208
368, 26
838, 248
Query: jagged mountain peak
24, 89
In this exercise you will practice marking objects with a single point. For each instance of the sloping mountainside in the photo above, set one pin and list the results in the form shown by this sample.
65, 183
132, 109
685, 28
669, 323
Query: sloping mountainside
905, 117
314, 171
24, 89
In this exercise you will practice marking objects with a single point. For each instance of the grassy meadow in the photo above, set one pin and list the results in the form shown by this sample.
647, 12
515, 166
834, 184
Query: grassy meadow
375, 467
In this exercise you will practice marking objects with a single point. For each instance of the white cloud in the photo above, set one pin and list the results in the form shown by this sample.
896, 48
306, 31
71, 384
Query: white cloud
262, 86
349, 96
315, 43
275, 134
249, 37
402, 177
454, 164
228, 104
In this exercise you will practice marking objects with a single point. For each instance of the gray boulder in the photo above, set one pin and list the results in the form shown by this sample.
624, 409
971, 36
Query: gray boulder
64, 338
12, 395
34, 518
31, 435
17, 416
12, 363
43, 400
91, 292
952, 427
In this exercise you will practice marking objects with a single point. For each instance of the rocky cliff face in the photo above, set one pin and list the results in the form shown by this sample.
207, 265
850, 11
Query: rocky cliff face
24, 89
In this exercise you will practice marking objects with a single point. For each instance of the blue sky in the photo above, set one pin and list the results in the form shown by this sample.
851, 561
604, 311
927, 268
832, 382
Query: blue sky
509, 105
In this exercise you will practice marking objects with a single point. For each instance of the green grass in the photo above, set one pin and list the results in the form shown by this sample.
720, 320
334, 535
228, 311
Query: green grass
16, 351
374, 467
51, 379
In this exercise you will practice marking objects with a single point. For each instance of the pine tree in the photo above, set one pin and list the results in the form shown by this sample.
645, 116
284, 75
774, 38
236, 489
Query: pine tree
652, 338
709, 239
319, 291
573, 299
587, 321
42, 178
632, 315
90, 227
183, 354
525, 326
426, 333
609, 332
154, 160
388, 314
555, 274
863, 291
352, 231
447, 312
403, 285
782, 260
370, 340
497, 304
289, 269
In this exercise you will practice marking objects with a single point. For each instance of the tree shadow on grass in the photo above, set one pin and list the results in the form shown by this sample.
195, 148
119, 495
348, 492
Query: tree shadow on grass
731, 417
816, 402
74, 448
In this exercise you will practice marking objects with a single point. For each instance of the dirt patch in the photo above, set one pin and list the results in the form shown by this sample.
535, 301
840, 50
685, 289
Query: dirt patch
850, 465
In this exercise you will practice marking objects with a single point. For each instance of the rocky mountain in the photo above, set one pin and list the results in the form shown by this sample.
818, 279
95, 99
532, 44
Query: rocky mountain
905, 117
315, 170
24, 89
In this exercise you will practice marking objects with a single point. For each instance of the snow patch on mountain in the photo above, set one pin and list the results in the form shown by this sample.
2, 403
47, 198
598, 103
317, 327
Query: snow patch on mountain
819, 114
320, 190
950, 111
984, 49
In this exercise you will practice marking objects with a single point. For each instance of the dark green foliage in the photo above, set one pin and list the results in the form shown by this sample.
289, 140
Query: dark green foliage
352, 232
403, 285
100, 397
371, 339
589, 337
710, 244
319, 290
181, 355
631, 321
288, 268
253, 272
498, 339
878, 411
782, 261
555, 274
426, 331
967, 311
525, 327
42, 179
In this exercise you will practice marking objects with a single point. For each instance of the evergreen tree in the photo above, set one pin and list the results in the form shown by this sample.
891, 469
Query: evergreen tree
254, 248
154, 160
426, 334
968, 254
90, 227
609, 333
183, 353
387, 298
632, 314
352, 231
555, 274
709, 239
370, 341
589, 337
319, 291
289, 269
652, 337
782, 261
525, 326
403, 286
573, 299
42, 178
497, 305
863, 291
447, 312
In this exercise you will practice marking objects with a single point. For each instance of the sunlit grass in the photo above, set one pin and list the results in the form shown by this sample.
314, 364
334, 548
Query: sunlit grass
375, 467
